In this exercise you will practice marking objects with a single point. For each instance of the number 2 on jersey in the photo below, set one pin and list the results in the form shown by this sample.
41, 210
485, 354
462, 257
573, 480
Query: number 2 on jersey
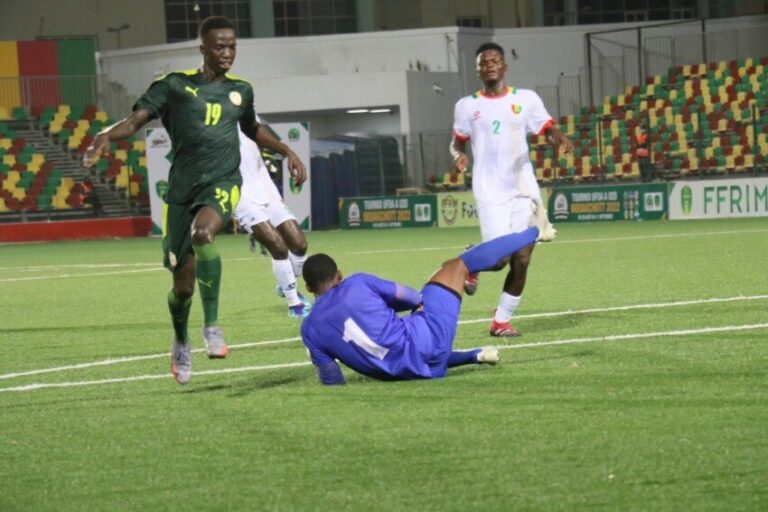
496, 127
212, 113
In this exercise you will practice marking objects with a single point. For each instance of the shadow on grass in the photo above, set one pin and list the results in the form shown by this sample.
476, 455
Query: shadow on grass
245, 387
89, 328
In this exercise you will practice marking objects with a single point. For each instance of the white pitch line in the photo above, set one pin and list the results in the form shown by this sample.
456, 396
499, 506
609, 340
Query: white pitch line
91, 274
627, 308
355, 253
46, 385
580, 241
618, 337
660, 334
129, 359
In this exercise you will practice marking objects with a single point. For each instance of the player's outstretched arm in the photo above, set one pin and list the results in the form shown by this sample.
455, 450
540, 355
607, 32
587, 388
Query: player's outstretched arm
118, 131
265, 139
458, 149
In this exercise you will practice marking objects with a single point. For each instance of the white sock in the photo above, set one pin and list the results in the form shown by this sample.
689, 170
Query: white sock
298, 263
506, 308
283, 271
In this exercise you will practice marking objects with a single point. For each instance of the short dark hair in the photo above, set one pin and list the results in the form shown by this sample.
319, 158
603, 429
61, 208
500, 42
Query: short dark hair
489, 46
318, 269
214, 23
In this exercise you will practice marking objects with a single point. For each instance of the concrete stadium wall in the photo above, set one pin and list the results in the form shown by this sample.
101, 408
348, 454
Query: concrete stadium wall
29, 19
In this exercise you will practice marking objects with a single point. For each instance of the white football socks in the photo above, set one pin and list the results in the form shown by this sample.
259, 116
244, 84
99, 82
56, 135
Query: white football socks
283, 271
298, 263
506, 308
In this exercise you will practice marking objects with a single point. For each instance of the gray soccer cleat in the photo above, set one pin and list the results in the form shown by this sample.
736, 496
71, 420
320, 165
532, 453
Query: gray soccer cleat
215, 346
488, 355
547, 231
181, 361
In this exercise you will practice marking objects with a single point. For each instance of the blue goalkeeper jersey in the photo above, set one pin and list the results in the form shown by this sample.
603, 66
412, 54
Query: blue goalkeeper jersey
356, 322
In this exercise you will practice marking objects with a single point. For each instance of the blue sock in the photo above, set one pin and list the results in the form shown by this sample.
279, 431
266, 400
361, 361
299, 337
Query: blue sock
486, 255
458, 358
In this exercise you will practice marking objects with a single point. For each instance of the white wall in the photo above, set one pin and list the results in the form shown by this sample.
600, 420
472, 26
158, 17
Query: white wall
322, 73
325, 125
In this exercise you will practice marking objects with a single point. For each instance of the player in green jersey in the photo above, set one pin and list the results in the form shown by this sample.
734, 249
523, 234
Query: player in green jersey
201, 109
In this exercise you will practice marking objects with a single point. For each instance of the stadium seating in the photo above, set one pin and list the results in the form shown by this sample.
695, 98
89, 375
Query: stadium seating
30, 183
704, 119
124, 167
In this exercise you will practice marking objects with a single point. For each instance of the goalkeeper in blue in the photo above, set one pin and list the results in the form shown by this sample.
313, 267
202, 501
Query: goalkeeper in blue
355, 320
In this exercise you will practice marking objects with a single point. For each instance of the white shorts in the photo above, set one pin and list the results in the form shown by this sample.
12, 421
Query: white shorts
249, 213
497, 220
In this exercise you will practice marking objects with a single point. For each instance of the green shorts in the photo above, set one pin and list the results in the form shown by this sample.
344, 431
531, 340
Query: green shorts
222, 196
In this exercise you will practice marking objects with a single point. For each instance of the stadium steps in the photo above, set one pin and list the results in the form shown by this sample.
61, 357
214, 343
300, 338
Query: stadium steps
113, 203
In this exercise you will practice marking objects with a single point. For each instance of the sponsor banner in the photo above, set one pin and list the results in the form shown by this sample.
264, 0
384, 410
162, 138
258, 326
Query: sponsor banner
388, 212
298, 198
456, 209
743, 197
609, 202
160, 156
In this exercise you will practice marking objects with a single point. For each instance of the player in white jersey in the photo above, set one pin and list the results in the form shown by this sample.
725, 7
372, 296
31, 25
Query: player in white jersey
268, 220
496, 120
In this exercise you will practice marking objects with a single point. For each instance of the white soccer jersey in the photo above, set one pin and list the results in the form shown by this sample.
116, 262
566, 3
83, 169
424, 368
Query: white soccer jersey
497, 128
257, 186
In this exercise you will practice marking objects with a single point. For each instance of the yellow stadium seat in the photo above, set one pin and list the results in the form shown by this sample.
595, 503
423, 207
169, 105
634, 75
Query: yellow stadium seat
9, 159
686, 70
38, 158
134, 189
694, 163
55, 126
722, 125
4, 116
749, 161
121, 154
715, 142
33, 166
19, 193
139, 145
64, 109
101, 116
709, 153
730, 163
738, 150
121, 181
74, 142
83, 124
143, 160
3, 207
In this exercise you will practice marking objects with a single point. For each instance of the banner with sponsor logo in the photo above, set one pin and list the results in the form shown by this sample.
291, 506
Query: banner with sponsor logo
646, 201
743, 197
160, 156
456, 209
388, 212
298, 198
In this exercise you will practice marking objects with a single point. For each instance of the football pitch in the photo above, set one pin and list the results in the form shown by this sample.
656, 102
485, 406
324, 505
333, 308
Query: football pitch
640, 382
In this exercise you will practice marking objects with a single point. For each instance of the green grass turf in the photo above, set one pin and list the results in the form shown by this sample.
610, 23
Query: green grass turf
660, 423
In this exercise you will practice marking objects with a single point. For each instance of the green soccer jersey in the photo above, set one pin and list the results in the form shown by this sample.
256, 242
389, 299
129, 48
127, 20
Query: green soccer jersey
201, 118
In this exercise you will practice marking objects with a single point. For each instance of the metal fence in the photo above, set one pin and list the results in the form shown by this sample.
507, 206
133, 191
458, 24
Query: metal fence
615, 64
